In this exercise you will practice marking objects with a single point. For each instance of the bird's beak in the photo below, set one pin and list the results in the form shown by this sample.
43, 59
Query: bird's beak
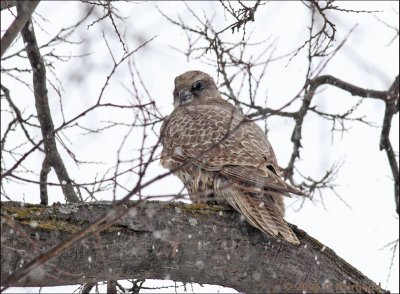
185, 95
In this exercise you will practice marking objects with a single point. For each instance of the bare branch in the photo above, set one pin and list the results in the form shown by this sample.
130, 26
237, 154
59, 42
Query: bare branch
43, 110
352, 89
24, 13
44, 198
392, 107
17, 112
112, 287
242, 15
6, 4
87, 287
390, 98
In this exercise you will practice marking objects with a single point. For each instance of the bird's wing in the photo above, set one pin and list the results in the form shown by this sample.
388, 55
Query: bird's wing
217, 137
258, 177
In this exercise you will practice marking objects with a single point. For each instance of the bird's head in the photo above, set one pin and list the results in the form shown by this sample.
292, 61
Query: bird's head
194, 86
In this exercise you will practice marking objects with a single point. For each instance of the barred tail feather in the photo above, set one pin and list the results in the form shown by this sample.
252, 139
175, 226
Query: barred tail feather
263, 214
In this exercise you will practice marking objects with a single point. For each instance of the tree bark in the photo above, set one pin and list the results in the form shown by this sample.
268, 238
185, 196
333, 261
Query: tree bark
174, 241
23, 16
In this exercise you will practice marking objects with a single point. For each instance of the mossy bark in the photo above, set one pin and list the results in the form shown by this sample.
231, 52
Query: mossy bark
188, 243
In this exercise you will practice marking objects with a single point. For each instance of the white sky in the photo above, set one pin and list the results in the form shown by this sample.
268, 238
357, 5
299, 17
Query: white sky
356, 233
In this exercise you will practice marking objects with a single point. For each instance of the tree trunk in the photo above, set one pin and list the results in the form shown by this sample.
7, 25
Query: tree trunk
188, 243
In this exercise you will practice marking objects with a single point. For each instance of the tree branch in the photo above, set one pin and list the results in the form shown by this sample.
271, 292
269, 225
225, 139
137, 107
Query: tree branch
24, 13
391, 99
352, 89
5, 4
189, 243
392, 107
43, 110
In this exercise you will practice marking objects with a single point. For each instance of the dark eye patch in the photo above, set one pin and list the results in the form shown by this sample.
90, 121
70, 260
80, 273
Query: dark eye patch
199, 85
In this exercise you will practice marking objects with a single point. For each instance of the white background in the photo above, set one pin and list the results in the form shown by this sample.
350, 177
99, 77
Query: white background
356, 231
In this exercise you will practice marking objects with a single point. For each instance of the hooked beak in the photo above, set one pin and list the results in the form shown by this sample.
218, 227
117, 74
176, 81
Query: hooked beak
185, 95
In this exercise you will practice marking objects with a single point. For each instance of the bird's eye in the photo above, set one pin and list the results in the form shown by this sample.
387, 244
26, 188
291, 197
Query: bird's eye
199, 85
271, 168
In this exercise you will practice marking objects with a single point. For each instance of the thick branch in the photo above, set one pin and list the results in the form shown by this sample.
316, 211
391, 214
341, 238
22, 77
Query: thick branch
43, 110
392, 107
352, 89
189, 243
27, 8
5, 4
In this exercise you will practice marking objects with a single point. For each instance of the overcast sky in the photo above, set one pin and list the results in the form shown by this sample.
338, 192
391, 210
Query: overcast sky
356, 228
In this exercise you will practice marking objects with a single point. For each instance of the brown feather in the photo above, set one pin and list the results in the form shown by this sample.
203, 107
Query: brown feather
231, 158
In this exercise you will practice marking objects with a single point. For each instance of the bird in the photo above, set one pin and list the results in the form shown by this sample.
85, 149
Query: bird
222, 157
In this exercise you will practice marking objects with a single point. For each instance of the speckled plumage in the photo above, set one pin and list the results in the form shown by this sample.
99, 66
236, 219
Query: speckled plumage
231, 160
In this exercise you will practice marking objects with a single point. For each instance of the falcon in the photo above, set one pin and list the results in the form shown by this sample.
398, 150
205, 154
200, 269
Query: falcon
222, 157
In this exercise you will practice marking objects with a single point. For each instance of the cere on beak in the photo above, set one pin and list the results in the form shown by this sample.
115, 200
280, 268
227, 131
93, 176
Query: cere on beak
185, 95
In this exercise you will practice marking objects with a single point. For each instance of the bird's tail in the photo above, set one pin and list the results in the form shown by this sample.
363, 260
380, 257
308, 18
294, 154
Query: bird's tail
262, 214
